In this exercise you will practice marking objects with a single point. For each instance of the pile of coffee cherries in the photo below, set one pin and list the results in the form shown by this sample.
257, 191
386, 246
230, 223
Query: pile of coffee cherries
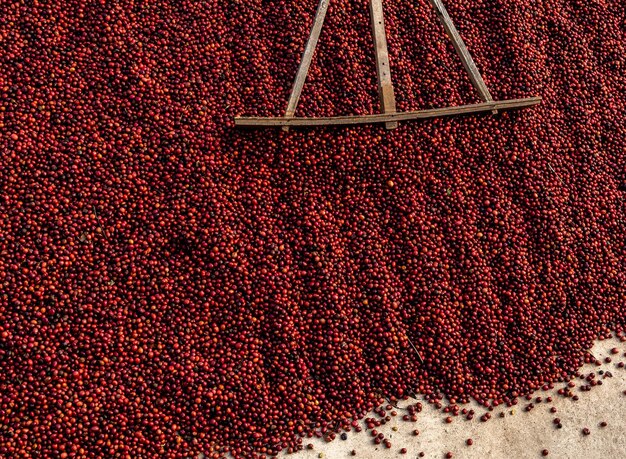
171, 285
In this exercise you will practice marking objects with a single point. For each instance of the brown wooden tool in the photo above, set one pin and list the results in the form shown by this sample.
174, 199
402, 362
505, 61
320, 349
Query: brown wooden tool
389, 116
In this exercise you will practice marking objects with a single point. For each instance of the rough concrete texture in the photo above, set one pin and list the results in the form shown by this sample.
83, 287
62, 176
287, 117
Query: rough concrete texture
516, 436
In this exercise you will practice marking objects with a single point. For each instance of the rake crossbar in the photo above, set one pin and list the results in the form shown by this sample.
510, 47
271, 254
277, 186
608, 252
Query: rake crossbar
501, 105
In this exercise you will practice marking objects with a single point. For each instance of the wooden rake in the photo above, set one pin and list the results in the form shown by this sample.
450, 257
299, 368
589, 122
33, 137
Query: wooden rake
389, 116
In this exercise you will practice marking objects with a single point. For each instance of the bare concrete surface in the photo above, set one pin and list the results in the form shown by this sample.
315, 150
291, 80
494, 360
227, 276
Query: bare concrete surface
518, 435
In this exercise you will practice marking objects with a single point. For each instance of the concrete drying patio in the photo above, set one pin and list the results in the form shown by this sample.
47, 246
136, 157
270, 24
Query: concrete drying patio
516, 436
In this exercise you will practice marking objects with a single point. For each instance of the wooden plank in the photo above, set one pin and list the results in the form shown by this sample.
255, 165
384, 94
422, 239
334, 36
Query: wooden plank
383, 71
459, 45
307, 57
388, 117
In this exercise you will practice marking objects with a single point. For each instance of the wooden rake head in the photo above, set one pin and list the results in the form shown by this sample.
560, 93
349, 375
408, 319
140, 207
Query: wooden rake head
389, 116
